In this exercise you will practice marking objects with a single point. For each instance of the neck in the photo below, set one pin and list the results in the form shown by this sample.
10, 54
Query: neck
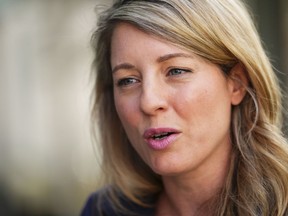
193, 193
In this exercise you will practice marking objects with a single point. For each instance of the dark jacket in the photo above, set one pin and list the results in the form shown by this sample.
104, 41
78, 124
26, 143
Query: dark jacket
103, 207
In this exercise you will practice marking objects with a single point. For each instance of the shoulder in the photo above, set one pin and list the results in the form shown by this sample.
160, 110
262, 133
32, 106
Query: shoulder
99, 204
89, 207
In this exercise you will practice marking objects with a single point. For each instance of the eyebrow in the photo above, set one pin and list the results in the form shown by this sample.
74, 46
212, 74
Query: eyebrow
128, 66
173, 55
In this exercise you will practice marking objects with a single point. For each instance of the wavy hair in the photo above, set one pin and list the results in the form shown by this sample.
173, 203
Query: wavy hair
222, 32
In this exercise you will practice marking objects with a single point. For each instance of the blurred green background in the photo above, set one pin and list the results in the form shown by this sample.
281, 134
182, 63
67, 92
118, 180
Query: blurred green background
47, 161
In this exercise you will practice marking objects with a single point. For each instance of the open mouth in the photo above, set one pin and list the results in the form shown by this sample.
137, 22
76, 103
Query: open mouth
160, 138
161, 135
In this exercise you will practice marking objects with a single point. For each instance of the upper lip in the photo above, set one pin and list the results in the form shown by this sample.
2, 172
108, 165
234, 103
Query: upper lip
151, 132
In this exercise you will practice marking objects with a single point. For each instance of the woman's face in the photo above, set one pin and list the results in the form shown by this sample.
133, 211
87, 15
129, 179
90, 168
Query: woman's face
174, 105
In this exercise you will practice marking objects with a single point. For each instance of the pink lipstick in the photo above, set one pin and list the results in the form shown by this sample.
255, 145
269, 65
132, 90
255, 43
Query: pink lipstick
160, 138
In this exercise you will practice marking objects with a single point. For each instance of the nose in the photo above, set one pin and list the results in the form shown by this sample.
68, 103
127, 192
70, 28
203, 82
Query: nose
153, 98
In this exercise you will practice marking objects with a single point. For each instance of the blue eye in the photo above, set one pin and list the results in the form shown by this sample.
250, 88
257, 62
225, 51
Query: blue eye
177, 71
127, 81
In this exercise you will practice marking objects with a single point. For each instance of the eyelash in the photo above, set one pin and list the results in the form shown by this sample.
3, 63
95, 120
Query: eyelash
178, 70
129, 80
123, 82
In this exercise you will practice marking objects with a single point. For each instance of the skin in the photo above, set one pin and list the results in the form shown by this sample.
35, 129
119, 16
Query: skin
159, 85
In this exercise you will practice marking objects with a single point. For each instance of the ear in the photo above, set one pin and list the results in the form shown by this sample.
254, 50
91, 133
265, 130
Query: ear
237, 82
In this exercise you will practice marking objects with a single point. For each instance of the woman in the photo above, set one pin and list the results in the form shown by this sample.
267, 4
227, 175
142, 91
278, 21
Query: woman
189, 111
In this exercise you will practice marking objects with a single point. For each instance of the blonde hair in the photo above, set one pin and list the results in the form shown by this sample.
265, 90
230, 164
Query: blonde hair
222, 32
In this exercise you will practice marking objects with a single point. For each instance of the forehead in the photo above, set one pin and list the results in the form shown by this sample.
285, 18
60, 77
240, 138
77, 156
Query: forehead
128, 39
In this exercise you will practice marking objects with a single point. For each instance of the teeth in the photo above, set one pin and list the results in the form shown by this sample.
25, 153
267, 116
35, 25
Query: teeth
160, 136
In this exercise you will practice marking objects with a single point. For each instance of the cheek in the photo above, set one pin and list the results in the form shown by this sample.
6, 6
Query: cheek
126, 110
205, 105
126, 113
216, 113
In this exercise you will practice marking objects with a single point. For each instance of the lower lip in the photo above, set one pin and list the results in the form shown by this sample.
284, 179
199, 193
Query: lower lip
161, 143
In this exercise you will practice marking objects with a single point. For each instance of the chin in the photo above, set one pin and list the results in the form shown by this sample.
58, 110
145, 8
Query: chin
167, 168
